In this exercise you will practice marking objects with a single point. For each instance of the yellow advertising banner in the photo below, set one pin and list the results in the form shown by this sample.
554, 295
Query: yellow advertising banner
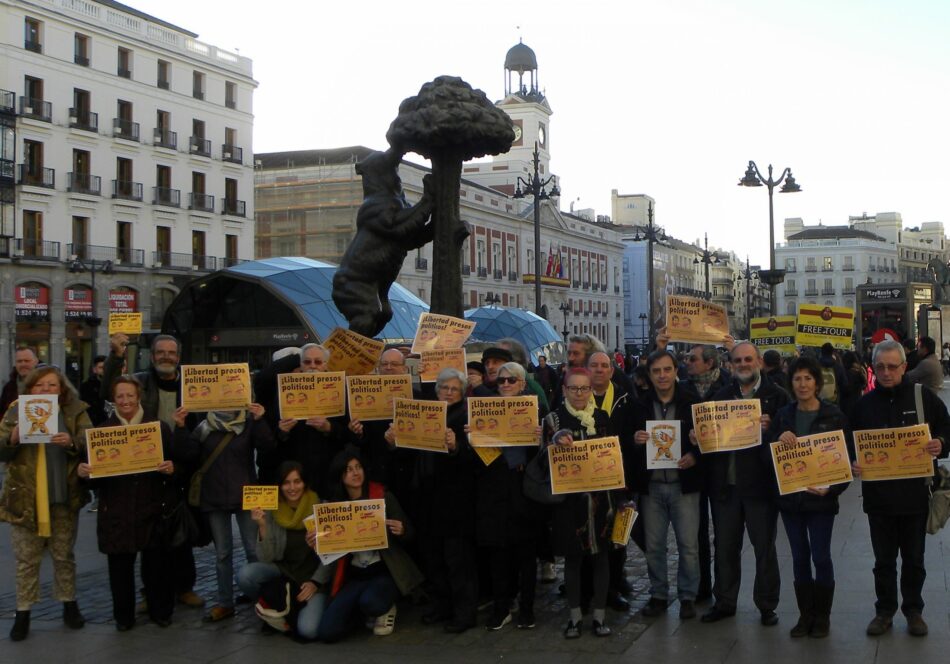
893, 454
420, 425
349, 526
126, 323
352, 353
586, 465
775, 333
315, 394
207, 387
261, 496
432, 362
814, 461
724, 426
439, 332
818, 325
373, 397
503, 421
124, 450
624, 518
695, 320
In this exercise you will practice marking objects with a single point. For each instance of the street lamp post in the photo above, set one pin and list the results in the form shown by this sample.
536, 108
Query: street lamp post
643, 328
748, 275
565, 307
707, 259
536, 189
652, 234
76, 266
753, 178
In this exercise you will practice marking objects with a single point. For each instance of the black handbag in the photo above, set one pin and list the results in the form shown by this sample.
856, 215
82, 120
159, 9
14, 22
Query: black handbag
179, 527
537, 481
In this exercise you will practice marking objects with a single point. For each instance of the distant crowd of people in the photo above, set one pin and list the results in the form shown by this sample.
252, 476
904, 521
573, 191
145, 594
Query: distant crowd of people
462, 531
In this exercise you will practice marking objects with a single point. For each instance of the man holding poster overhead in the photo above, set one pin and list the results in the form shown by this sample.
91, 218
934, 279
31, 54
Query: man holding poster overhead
742, 493
897, 509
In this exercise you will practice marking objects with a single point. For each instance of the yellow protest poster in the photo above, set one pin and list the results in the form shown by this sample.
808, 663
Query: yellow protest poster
893, 454
38, 417
432, 362
206, 387
439, 332
315, 394
262, 496
487, 454
503, 421
352, 353
124, 450
420, 425
695, 320
624, 518
812, 461
350, 526
126, 323
818, 325
724, 426
586, 465
373, 397
774, 333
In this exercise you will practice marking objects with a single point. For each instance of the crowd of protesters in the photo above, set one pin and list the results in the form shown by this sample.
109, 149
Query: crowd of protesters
462, 531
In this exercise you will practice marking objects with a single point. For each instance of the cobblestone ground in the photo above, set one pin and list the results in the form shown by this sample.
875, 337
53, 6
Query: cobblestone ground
550, 610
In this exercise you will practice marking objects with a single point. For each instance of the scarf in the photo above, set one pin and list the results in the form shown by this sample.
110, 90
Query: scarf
585, 416
227, 420
291, 518
607, 405
704, 380
43, 522
135, 419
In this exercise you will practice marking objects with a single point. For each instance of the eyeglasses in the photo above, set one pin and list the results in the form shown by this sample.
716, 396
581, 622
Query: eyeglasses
450, 388
577, 389
887, 367
507, 380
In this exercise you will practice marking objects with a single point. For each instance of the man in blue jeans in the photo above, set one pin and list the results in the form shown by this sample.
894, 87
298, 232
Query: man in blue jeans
668, 496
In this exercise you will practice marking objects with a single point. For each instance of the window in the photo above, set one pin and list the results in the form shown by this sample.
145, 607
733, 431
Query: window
827, 265
32, 233
198, 182
848, 285
164, 74
80, 115
80, 236
198, 85
124, 65
230, 94
164, 194
810, 264
849, 263
81, 49
163, 244
124, 186
480, 254
197, 246
31, 35
123, 126
123, 241
32, 104
231, 249
164, 136
32, 172
199, 144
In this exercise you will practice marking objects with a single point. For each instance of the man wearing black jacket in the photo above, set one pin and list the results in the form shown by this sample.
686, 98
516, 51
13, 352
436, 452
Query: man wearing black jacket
897, 509
742, 492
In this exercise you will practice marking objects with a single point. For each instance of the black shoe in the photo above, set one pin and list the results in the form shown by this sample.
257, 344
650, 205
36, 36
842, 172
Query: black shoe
573, 630
654, 607
124, 627
21, 626
703, 596
617, 602
245, 599
162, 622
716, 614
71, 616
457, 627
600, 629
624, 587
525, 619
435, 616
916, 625
768, 618
687, 609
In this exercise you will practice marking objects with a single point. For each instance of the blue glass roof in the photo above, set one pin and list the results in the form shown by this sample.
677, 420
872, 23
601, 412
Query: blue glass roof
538, 336
306, 285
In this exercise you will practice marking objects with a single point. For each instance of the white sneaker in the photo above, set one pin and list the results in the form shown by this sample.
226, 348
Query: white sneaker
548, 575
386, 623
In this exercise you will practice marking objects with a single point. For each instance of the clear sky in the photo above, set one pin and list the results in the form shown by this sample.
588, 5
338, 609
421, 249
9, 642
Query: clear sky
669, 98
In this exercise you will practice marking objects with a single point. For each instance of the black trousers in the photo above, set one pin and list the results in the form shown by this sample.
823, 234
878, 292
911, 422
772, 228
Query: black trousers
182, 560
450, 568
732, 516
892, 534
157, 576
513, 570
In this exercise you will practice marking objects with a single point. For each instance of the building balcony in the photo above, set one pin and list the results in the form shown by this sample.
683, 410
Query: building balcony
232, 153
576, 284
122, 128
512, 276
36, 176
81, 60
496, 274
85, 120
872, 268
811, 292
790, 268
848, 268
827, 269
198, 93
422, 264
466, 270
36, 109
40, 250
616, 289
179, 261
483, 272
119, 256
811, 268
201, 202
127, 191
33, 45
166, 196
827, 291
163, 84
84, 183
586, 285
165, 138
229, 261
791, 292
847, 291
199, 146
123, 72
7, 101
233, 207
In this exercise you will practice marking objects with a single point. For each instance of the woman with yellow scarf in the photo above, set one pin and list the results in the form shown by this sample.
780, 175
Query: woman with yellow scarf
286, 549
42, 497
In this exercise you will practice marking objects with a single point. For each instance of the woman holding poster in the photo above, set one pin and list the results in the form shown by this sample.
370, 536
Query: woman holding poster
129, 520
41, 499
366, 582
809, 515
581, 524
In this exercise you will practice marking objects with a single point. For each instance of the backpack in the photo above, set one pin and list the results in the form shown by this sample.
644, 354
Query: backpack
829, 386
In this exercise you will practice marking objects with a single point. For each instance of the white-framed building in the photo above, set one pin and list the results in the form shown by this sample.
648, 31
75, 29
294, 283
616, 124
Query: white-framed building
127, 149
